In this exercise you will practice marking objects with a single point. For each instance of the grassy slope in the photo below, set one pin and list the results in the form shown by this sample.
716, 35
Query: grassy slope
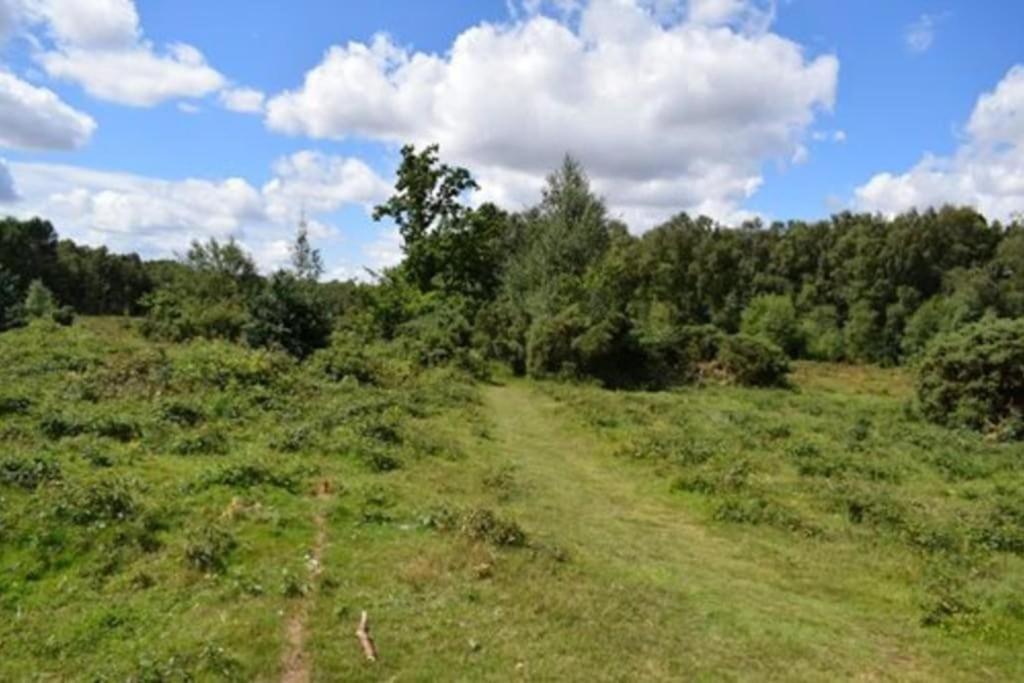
623, 578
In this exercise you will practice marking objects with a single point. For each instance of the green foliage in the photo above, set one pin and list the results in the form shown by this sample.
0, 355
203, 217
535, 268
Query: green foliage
289, 315
28, 474
773, 318
39, 301
63, 316
432, 221
975, 377
822, 336
751, 361
108, 500
209, 548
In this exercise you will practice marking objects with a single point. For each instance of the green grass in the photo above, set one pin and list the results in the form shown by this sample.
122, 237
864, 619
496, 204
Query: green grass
713, 533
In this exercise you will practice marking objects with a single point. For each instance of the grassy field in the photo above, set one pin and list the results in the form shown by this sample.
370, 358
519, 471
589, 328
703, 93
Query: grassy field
206, 512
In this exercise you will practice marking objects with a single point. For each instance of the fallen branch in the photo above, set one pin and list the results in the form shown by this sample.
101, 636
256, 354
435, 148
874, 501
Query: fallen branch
363, 634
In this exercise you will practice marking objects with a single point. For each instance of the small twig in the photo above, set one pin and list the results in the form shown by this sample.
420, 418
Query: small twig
363, 634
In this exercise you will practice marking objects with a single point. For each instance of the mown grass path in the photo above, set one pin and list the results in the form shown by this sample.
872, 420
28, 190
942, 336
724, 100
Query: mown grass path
676, 598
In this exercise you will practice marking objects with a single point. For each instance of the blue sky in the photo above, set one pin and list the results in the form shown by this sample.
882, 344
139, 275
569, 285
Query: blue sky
142, 125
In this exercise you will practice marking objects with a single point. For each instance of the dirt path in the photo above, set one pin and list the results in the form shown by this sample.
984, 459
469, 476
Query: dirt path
295, 665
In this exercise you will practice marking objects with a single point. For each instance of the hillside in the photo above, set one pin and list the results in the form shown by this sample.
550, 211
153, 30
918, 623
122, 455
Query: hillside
209, 512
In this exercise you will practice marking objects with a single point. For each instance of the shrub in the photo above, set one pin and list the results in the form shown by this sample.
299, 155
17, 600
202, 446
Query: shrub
823, 339
208, 442
98, 502
751, 361
222, 365
63, 316
208, 549
28, 474
288, 314
250, 475
347, 356
181, 414
772, 317
974, 378
701, 341
14, 405
480, 525
39, 301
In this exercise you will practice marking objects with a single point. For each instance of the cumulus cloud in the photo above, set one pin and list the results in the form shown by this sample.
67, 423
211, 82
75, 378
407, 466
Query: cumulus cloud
137, 76
242, 100
320, 183
35, 118
90, 24
986, 171
160, 217
665, 116
8, 193
99, 45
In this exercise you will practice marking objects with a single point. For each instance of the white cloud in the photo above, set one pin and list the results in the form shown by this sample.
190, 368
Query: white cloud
243, 100
137, 76
8, 192
35, 118
319, 183
188, 108
99, 45
90, 24
921, 33
160, 217
986, 171
664, 116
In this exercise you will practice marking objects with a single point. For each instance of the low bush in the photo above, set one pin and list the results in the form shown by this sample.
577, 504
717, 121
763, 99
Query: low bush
207, 442
208, 549
14, 405
103, 501
750, 361
478, 524
974, 378
28, 474
63, 316
181, 414
249, 475
222, 365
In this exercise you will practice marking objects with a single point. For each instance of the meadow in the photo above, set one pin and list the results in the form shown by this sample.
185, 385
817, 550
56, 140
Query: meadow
207, 511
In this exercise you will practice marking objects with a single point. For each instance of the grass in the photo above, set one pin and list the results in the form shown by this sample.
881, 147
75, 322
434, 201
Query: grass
521, 529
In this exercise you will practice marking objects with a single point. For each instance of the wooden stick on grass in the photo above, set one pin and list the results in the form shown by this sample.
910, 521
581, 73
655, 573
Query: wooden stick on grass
363, 634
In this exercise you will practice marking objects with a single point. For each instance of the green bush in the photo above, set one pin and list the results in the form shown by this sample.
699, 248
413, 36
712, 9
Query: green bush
701, 341
208, 549
823, 339
103, 501
751, 361
290, 315
222, 365
39, 301
974, 378
63, 316
772, 317
28, 474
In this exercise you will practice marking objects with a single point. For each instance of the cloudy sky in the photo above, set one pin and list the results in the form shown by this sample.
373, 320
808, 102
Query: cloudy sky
142, 125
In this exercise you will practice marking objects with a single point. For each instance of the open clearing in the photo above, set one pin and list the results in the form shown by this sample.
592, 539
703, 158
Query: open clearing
517, 529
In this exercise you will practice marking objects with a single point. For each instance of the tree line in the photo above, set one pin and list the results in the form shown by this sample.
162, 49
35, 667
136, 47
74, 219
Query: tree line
563, 288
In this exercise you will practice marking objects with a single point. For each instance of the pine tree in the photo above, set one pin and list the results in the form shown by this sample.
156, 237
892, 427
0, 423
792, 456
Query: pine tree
306, 260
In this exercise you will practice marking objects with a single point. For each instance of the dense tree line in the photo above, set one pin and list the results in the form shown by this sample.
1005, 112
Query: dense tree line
91, 280
563, 288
